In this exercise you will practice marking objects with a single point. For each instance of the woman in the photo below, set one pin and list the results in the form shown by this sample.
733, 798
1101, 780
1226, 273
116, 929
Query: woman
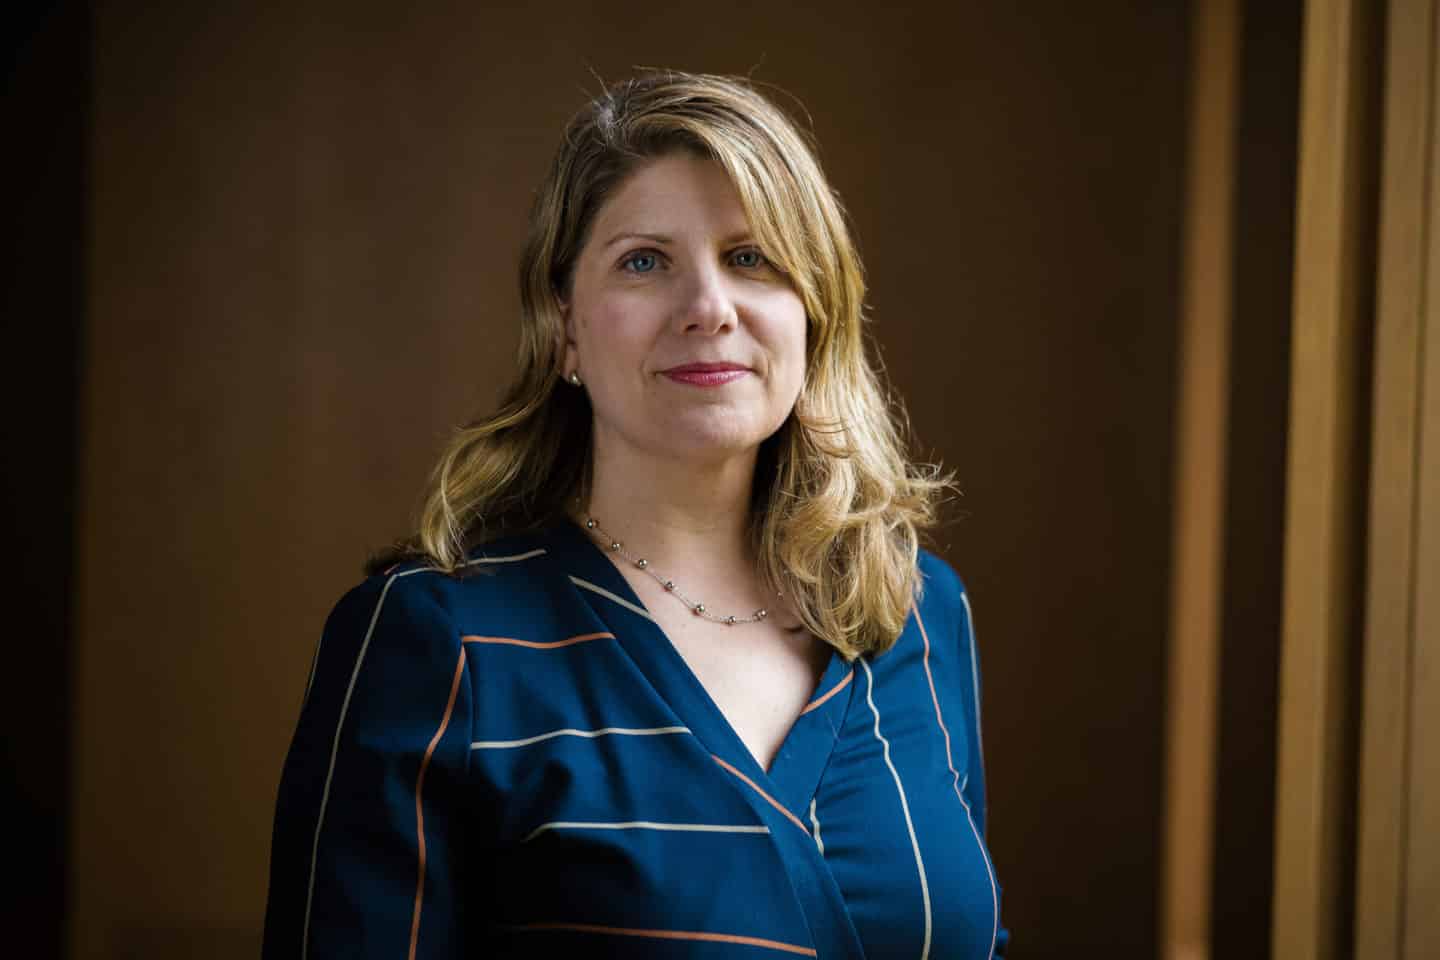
664, 672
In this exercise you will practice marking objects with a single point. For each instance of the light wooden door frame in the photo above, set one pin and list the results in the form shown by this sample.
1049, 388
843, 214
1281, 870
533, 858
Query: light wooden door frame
1199, 484
1326, 470
1398, 856
1392, 774
1348, 753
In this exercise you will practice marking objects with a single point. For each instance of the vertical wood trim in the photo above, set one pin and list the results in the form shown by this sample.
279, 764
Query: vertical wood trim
1421, 931
1200, 483
1322, 531
1392, 585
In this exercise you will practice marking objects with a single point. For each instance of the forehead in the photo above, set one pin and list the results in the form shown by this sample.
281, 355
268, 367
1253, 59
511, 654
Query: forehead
670, 193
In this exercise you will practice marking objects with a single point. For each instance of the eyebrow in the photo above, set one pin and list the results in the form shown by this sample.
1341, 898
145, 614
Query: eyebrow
665, 239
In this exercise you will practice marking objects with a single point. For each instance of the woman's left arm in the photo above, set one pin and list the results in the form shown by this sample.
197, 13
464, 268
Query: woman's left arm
974, 787
369, 849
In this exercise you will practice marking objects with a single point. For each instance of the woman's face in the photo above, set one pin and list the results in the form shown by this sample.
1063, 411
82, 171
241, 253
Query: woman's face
690, 345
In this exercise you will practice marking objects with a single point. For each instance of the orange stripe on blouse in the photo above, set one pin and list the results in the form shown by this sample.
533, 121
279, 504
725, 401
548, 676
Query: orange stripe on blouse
813, 704
540, 645
667, 935
949, 761
756, 787
419, 809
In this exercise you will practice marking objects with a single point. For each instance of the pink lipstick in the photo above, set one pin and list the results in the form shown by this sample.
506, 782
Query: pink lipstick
706, 374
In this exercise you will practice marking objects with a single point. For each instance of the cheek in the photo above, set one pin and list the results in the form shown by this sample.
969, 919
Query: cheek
792, 338
612, 331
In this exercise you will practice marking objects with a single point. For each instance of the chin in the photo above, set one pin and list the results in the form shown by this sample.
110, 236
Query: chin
711, 440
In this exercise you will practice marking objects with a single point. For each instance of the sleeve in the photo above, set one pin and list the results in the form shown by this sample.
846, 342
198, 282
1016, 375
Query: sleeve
974, 789
366, 857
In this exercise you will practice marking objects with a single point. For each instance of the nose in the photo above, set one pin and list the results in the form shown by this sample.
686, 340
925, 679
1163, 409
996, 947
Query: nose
706, 305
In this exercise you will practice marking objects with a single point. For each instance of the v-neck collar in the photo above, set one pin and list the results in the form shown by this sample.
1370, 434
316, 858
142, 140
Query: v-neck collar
800, 761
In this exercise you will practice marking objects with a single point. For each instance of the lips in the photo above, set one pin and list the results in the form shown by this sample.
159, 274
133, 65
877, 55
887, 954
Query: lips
705, 368
707, 374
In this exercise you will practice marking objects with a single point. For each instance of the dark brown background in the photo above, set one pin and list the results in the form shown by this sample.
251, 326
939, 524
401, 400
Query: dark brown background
301, 230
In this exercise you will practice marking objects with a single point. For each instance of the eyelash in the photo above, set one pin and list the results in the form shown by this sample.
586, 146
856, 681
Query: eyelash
630, 257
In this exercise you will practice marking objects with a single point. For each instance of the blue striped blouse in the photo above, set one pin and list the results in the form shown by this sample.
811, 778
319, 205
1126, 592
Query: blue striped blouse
517, 761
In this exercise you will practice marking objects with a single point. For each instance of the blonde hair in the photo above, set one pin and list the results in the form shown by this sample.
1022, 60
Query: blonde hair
838, 506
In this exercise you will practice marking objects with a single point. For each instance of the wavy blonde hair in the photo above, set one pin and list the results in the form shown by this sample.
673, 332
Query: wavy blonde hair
837, 506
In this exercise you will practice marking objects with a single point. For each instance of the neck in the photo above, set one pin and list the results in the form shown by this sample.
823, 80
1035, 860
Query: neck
677, 514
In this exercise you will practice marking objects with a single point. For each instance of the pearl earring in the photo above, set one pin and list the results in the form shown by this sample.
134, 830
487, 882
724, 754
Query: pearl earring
574, 378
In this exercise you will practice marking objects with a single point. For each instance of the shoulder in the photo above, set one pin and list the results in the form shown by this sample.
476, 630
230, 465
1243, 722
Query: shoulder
939, 575
392, 634
944, 603
494, 576
940, 586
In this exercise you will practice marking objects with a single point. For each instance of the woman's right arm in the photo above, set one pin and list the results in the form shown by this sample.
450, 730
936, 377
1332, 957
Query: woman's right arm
370, 820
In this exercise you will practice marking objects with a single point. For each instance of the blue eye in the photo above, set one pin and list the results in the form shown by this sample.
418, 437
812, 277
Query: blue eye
748, 258
639, 262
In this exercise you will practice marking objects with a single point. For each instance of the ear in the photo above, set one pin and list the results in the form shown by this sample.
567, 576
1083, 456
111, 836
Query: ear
569, 353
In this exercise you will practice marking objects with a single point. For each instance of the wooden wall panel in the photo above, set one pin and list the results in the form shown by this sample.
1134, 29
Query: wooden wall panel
1326, 476
1393, 585
1422, 851
1264, 252
1200, 467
